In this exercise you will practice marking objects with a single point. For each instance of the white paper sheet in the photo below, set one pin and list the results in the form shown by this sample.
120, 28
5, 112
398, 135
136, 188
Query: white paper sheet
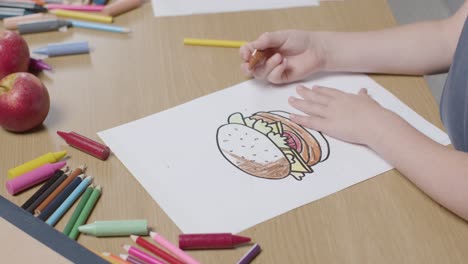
175, 156
190, 7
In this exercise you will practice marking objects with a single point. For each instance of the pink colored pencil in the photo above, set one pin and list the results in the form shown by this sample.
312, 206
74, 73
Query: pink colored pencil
141, 255
87, 8
173, 249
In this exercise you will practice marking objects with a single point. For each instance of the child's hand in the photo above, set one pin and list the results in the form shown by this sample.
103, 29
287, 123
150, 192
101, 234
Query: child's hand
355, 118
294, 55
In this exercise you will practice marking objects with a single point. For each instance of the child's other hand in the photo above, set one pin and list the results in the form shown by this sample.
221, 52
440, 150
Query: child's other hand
355, 118
294, 55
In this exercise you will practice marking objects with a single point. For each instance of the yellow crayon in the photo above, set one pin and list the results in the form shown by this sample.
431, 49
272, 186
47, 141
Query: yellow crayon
214, 42
50, 157
82, 16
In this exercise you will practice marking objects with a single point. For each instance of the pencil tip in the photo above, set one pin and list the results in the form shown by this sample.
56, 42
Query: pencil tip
133, 237
126, 247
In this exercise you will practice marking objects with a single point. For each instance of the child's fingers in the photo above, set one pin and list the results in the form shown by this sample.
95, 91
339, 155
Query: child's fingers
262, 71
270, 40
307, 107
279, 75
312, 96
245, 51
246, 70
327, 91
312, 122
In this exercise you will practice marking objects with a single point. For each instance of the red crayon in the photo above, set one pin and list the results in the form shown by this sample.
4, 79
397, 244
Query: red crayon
86, 145
211, 241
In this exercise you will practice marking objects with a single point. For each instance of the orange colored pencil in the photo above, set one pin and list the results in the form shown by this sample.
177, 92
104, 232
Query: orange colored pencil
114, 258
76, 172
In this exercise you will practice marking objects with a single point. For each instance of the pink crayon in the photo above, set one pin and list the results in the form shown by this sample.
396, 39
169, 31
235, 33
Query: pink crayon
33, 177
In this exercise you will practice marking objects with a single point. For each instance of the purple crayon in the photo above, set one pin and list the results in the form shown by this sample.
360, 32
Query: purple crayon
250, 255
33, 177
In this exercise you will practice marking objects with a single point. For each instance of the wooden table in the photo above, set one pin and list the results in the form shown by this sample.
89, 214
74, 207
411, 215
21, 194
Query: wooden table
383, 220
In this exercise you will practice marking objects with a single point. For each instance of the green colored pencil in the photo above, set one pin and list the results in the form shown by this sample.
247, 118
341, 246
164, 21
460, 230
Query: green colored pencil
78, 210
85, 212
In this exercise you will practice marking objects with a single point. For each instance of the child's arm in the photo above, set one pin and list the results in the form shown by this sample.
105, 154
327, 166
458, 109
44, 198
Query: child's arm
440, 172
420, 48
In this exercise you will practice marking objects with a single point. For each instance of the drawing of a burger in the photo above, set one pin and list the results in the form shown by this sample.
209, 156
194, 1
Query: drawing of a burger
269, 145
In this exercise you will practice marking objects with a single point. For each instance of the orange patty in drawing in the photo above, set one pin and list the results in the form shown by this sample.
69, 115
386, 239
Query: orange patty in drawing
269, 145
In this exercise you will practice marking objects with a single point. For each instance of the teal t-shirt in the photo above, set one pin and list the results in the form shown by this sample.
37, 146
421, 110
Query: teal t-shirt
454, 102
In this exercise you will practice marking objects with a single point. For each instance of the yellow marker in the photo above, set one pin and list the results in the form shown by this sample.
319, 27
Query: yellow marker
82, 16
214, 43
50, 157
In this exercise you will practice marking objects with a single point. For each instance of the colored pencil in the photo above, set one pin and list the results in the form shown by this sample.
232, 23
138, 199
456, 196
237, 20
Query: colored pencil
87, 209
173, 249
114, 259
43, 188
78, 209
99, 26
155, 250
57, 201
132, 259
141, 255
76, 172
250, 255
63, 208
46, 193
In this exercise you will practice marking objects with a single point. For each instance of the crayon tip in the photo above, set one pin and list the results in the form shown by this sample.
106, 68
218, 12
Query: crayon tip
59, 165
62, 134
237, 240
60, 155
43, 51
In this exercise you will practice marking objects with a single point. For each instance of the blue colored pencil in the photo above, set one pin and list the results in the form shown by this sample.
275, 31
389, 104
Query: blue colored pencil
55, 203
99, 26
63, 208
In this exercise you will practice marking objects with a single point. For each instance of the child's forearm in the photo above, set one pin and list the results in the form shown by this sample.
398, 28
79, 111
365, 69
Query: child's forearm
440, 172
417, 49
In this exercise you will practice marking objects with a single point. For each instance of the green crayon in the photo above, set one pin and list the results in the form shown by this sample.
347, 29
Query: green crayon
78, 210
85, 212
116, 228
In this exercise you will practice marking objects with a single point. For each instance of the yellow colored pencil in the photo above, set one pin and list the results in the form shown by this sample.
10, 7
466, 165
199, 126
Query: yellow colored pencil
82, 16
214, 42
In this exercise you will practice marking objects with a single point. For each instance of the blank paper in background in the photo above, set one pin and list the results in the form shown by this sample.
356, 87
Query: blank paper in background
191, 7
174, 155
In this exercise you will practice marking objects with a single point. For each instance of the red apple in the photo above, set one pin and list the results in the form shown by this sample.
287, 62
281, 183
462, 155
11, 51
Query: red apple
14, 53
24, 102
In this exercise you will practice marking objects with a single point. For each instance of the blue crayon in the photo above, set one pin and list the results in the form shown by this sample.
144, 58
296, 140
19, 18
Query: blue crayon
55, 217
59, 49
98, 26
55, 203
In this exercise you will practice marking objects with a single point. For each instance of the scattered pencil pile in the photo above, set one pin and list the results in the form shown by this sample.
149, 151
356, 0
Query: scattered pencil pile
162, 251
61, 189
52, 15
